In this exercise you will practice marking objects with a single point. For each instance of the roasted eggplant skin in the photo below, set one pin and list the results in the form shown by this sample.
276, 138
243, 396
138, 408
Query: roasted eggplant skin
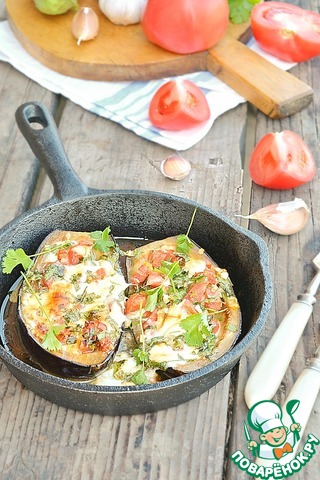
76, 290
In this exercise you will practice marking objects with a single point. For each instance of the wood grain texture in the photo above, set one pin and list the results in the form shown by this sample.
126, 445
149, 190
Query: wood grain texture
124, 53
42, 441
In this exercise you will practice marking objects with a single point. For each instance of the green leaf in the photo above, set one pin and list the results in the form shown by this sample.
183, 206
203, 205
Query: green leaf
153, 297
140, 356
101, 240
196, 330
50, 341
13, 258
139, 378
169, 269
184, 244
240, 10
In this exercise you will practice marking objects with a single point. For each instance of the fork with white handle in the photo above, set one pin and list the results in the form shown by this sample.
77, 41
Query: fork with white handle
278, 353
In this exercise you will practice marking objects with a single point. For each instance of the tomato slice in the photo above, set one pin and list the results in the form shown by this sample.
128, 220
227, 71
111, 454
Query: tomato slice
178, 105
281, 161
286, 31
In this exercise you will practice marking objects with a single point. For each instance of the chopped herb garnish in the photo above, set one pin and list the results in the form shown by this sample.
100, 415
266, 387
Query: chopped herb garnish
50, 341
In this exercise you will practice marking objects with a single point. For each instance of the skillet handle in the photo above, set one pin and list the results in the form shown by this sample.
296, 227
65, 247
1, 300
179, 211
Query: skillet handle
39, 129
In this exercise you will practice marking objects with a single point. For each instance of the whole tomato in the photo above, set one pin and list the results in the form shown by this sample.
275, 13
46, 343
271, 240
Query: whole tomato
185, 26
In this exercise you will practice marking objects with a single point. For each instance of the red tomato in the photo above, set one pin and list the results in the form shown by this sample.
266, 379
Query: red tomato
69, 257
281, 161
178, 105
185, 26
286, 31
135, 302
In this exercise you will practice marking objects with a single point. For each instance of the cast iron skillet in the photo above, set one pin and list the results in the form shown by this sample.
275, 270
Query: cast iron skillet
153, 215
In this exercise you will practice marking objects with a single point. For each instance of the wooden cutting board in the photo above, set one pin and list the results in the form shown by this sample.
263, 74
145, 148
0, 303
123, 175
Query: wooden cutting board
123, 53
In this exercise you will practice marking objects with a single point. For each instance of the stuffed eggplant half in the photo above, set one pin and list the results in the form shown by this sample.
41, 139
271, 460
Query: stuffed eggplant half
172, 311
71, 303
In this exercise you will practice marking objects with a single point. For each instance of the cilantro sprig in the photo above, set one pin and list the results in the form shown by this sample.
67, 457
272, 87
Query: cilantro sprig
196, 329
184, 244
102, 240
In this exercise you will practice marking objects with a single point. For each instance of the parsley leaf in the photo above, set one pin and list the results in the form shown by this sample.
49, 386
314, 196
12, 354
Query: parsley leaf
154, 296
240, 10
196, 329
13, 258
139, 378
184, 244
102, 240
141, 356
50, 341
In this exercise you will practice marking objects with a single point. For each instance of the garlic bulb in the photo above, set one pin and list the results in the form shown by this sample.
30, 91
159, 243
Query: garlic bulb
283, 218
85, 25
175, 167
123, 12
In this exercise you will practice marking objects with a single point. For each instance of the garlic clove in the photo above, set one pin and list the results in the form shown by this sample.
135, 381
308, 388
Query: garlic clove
175, 167
283, 218
85, 25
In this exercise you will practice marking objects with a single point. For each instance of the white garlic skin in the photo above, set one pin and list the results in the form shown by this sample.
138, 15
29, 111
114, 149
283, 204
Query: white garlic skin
85, 25
123, 12
175, 167
283, 218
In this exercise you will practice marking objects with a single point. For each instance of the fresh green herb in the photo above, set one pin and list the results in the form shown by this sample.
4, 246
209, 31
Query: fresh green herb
240, 10
196, 329
154, 296
184, 244
13, 258
139, 378
54, 271
102, 240
225, 284
142, 357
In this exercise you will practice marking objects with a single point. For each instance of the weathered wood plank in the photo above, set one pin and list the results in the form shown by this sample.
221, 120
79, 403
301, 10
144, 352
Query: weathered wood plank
291, 269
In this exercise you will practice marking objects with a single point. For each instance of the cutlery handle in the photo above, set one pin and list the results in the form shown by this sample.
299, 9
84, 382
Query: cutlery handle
275, 92
306, 390
266, 376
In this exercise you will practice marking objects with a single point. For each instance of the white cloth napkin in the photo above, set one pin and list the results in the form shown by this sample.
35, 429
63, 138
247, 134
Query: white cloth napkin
126, 102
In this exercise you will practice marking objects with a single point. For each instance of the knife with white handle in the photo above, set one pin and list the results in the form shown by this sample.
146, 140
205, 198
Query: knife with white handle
266, 376
303, 394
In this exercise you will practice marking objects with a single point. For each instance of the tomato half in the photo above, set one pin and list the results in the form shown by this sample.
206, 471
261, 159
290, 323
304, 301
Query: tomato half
185, 26
281, 161
286, 31
178, 105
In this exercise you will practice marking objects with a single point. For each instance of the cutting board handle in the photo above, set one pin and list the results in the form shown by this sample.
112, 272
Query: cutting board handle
275, 92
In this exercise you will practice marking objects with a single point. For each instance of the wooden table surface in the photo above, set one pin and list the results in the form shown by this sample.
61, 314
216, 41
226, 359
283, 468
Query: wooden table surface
41, 440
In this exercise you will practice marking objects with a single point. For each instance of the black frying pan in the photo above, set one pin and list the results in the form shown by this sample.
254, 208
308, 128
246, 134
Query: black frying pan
153, 215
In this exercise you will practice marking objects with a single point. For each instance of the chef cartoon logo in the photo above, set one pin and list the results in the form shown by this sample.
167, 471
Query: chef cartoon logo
277, 439
274, 442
